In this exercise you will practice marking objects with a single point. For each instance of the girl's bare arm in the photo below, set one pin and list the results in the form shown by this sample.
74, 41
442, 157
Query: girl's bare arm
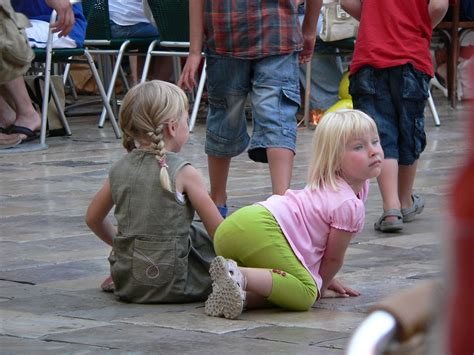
333, 257
96, 216
192, 183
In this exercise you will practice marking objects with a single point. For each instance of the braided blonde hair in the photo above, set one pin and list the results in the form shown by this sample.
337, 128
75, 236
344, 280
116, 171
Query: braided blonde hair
146, 108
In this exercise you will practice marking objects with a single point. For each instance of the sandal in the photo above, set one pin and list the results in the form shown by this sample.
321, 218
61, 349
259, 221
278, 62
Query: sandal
223, 210
410, 213
389, 226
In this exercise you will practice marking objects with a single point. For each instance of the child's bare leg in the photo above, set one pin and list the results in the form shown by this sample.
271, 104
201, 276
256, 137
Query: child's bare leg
218, 174
388, 184
259, 280
256, 301
258, 286
280, 163
406, 179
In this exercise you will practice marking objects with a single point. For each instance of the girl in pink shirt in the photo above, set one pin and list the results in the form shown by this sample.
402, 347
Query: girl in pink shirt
287, 249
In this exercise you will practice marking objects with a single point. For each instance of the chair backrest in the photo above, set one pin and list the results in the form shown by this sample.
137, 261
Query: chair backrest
171, 18
98, 20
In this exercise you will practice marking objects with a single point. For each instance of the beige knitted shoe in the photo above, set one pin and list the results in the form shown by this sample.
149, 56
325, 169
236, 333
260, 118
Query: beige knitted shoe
228, 295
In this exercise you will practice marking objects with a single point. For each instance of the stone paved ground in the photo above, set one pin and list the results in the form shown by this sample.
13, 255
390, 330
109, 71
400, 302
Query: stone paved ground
51, 265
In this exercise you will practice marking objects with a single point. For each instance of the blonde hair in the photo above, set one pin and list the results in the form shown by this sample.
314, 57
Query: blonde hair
145, 109
329, 142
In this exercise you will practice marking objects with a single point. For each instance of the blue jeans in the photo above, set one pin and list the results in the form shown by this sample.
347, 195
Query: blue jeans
139, 30
395, 98
273, 86
326, 74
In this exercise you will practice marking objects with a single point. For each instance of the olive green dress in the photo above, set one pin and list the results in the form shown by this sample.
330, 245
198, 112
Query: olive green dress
159, 254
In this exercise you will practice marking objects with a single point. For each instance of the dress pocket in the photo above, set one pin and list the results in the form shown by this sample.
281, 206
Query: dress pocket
154, 261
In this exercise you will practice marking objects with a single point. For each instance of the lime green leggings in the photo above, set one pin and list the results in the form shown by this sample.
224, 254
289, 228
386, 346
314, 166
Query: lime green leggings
253, 238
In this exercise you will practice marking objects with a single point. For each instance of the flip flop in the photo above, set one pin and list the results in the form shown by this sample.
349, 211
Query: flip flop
30, 135
389, 226
410, 213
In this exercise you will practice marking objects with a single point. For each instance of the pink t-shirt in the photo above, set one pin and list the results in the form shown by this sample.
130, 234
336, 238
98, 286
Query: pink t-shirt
306, 217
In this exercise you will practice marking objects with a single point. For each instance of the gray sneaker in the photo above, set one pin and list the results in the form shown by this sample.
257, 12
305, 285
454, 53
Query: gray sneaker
228, 289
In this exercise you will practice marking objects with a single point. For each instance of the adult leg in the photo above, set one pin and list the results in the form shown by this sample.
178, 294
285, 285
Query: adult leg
26, 115
161, 68
7, 114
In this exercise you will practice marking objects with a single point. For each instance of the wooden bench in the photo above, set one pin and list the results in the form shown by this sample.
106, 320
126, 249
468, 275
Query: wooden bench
453, 31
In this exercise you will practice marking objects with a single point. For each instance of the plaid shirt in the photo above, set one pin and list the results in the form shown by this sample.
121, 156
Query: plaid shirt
251, 29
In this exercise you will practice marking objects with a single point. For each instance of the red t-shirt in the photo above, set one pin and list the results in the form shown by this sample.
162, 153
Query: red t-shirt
393, 33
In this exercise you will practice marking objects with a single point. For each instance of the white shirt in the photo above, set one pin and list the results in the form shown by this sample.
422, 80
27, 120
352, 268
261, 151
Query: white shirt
127, 12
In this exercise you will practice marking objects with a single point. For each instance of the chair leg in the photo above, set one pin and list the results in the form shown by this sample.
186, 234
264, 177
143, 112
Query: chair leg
176, 68
67, 69
73, 89
111, 88
197, 100
435, 82
433, 109
47, 83
146, 66
106, 103
124, 79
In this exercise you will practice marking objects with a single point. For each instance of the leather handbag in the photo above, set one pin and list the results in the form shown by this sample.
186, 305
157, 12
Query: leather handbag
337, 24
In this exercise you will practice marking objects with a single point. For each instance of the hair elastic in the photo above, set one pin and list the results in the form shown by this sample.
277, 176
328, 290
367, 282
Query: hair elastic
162, 163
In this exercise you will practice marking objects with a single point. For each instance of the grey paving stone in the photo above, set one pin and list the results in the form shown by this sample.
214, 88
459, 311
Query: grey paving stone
170, 341
12, 345
51, 265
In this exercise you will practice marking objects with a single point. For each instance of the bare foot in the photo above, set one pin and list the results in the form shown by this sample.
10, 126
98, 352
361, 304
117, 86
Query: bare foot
31, 121
9, 140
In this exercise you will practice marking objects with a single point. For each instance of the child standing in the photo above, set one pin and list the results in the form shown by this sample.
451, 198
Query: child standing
158, 255
290, 247
390, 72
251, 49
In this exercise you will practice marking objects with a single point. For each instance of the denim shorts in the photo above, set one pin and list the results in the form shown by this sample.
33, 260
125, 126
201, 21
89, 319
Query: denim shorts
273, 85
395, 98
139, 30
